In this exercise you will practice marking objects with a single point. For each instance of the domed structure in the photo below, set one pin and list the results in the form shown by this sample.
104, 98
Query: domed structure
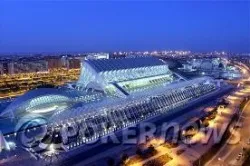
41, 101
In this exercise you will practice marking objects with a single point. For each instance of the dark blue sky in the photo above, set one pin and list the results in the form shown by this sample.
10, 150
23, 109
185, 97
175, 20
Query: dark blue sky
78, 26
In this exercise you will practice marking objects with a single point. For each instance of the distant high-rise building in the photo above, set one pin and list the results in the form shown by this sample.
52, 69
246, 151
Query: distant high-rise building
74, 63
65, 62
1, 69
11, 68
6, 68
30, 66
54, 63
97, 56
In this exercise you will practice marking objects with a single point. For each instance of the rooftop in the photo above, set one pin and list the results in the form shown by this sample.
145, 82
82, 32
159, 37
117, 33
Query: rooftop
101, 65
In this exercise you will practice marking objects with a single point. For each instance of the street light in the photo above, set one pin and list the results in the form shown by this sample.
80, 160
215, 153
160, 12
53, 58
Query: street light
219, 159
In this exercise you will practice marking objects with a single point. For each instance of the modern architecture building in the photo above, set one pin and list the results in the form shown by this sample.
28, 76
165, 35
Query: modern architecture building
125, 75
111, 94
214, 67
97, 56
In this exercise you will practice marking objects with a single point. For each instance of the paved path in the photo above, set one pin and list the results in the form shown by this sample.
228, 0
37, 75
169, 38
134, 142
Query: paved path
228, 153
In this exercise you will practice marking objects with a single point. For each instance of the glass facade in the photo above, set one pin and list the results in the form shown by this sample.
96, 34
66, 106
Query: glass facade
99, 120
104, 72
146, 88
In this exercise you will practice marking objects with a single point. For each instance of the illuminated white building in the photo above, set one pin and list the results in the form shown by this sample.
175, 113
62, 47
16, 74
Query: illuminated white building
111, 95
123, 75
214, 67
97, 56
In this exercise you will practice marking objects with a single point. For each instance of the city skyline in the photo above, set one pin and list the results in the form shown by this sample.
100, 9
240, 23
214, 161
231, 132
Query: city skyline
54, 27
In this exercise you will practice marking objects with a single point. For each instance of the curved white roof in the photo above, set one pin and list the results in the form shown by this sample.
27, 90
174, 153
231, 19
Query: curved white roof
47, 101
38, 97
123, 63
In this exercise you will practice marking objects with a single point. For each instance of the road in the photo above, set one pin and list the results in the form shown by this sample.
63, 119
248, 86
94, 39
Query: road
228, 153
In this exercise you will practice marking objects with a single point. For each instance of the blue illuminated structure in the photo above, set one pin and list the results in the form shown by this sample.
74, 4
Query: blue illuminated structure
111, 94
